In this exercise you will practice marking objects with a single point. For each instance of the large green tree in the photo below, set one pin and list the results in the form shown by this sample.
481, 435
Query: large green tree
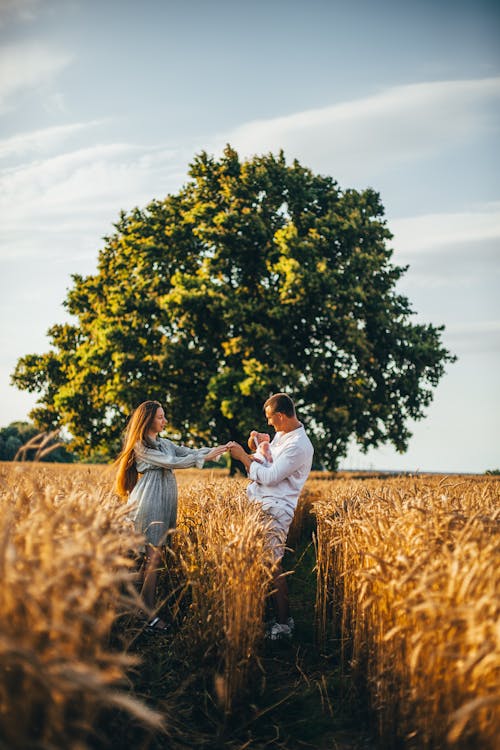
256, 277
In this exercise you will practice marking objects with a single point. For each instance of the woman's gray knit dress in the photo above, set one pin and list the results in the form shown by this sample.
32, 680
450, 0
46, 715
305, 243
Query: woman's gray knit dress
154, 497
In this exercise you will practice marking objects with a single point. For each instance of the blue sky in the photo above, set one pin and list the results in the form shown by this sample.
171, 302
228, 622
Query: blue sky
104, 104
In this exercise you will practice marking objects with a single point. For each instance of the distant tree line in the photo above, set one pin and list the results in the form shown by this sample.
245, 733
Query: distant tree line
19, 434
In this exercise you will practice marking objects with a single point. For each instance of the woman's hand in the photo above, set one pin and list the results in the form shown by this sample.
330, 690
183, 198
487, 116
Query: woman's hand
214, 454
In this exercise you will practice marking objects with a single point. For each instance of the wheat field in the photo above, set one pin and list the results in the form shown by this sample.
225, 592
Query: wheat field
68, 558
407, 590
408, 581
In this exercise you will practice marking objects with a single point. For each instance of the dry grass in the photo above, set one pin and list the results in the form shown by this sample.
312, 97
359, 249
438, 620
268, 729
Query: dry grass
408, 577
65, 578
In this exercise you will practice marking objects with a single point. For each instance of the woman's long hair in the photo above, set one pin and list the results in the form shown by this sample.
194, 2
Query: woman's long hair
136, 432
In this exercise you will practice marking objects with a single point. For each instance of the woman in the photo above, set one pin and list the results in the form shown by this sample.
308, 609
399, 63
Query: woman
145, 476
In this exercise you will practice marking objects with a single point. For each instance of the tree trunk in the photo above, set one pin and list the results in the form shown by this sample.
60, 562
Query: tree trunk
236, 467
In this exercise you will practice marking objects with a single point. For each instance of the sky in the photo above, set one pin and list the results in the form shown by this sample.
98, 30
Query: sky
103, 105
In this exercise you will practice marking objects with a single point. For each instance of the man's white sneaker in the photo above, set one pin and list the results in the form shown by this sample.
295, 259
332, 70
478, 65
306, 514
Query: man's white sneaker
278, 631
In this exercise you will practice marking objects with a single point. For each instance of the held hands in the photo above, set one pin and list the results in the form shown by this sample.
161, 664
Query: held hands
216, 452
237, 451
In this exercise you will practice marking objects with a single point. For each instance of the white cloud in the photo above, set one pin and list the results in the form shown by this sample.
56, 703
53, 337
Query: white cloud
41, 140
356, 139
478, 326
477, 336
80, 191
20, 10
26, 65
417, 234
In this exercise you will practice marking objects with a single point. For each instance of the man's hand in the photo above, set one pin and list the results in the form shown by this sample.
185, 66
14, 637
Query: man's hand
237, 450
239, 453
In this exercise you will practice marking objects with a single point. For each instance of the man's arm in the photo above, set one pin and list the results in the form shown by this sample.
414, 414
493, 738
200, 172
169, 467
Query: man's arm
238, 452
288, 462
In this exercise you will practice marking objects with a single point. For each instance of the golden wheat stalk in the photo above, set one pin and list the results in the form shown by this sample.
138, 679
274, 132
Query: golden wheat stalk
408, 576
65, 573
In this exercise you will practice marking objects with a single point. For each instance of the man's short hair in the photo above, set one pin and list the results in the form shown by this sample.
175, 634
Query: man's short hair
280, 402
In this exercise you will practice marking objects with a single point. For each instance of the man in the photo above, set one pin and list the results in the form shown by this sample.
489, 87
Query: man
277, 486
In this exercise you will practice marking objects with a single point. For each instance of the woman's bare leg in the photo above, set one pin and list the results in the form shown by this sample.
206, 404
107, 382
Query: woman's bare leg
151, 564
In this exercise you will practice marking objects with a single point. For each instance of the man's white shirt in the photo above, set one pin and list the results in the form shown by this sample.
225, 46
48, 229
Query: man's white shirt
282, 480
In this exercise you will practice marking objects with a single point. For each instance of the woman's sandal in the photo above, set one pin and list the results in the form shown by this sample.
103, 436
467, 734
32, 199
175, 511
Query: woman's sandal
154, 626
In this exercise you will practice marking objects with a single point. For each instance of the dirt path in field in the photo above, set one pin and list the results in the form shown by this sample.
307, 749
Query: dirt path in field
305, 704
300, 703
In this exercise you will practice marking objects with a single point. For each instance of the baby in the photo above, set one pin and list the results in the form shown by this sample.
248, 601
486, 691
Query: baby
262, 448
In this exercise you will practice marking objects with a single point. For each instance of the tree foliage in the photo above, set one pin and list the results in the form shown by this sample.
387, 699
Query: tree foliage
256, 277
